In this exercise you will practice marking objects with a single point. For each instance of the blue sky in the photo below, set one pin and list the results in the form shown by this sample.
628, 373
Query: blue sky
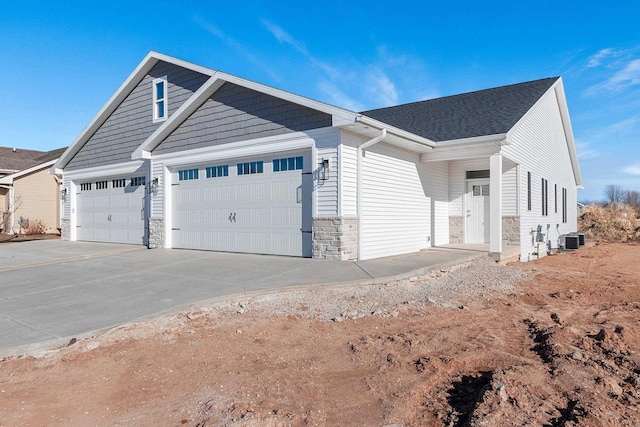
61, 61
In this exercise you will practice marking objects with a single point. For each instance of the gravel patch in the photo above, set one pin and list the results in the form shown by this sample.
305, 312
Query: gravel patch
478, 279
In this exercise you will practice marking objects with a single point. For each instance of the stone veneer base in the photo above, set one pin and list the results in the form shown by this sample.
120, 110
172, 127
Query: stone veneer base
156, 233
65, 228
335, 238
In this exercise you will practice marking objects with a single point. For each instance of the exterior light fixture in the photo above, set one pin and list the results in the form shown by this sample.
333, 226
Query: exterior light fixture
153, 188
63, 193
323, 170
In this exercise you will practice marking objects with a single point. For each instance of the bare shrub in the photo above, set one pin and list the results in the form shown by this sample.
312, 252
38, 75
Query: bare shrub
35, 227
618, 223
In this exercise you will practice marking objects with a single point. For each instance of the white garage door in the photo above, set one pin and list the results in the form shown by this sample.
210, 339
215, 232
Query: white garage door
112, 210
255, 205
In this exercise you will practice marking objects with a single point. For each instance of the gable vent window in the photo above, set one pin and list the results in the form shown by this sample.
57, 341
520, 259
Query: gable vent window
217, 171
138, 181
119, 183
288, 164
85, 186
159, 100
250, 168
101, 185
188, 174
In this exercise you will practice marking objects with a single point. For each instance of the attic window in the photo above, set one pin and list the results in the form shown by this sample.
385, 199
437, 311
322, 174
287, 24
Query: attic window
159, 100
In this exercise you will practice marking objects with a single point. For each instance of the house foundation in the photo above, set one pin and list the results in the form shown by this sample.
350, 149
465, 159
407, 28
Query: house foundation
65, 229
335, 238
156, 233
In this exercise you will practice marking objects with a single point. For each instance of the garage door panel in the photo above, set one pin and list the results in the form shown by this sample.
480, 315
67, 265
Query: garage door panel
114, 215
257, 213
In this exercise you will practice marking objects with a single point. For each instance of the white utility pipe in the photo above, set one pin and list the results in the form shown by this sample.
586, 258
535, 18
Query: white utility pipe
361, 148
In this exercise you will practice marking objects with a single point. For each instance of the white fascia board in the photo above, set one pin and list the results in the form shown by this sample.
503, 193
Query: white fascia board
557, 90
181, 63
499, 138
109, 170
339, 114
8, 171
568, 131
368, 121
255, 147
461, 152
9, 178
186, 109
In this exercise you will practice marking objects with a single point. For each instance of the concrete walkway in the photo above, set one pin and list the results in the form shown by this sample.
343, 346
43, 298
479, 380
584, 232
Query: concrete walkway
51, 290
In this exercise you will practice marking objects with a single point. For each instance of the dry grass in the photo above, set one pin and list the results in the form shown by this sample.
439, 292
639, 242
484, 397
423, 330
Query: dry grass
614, 223
35, 227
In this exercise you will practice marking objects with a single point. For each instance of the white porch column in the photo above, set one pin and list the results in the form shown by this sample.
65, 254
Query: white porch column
495, 202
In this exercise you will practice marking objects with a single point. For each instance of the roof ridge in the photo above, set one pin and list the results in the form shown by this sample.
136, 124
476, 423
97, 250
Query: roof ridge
463, 93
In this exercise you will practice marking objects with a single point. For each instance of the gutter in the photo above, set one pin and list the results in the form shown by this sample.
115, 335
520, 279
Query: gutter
361, 148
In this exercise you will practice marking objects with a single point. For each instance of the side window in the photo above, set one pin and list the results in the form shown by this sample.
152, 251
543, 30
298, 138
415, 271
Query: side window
528, 191
545, 197
159, 99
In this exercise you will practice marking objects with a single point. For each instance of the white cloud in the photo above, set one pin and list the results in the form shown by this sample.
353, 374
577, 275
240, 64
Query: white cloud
238, 47
284, 37
381, 88
628, 76
338, 98
632, 169
585, 151
596, 59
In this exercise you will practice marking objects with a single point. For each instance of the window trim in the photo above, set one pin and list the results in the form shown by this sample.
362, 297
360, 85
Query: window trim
555, 196
157, 101
545, 197
564, 205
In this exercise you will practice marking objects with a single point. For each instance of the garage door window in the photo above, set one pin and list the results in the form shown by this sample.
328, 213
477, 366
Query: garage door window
138, 181
119, 183
188, 174
288, 164
217, 171
101, 185
250, 168
85, 186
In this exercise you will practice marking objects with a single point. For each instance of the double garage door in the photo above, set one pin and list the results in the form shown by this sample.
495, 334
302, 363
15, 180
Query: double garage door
112, 210
257, 205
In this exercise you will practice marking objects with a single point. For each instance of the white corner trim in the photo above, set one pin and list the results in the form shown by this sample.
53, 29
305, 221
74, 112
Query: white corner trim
9, 178
109, 170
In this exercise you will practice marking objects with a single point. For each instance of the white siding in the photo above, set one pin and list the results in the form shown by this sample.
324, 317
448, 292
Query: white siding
66, 204
349, 171
509, 189
158, 195
435, 177
539, 145
396, 212
327, 191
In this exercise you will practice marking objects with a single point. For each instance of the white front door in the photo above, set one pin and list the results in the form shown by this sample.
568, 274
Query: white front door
478, 211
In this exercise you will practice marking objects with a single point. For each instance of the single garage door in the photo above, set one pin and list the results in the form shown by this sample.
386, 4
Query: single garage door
112, 210
259, 205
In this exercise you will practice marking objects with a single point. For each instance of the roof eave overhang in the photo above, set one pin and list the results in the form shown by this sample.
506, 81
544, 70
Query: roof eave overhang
392, 130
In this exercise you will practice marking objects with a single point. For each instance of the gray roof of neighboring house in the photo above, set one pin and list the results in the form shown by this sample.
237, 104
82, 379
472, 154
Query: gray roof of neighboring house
19, 159
484, 112
23, 159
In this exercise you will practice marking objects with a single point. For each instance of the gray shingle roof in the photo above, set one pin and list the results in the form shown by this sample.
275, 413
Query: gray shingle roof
484, 112
19, 159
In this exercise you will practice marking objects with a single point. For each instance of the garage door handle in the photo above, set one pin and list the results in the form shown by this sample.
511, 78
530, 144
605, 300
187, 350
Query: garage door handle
234, 217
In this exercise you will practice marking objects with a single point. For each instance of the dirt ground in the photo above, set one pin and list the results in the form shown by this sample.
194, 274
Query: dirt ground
560, 348
6, 239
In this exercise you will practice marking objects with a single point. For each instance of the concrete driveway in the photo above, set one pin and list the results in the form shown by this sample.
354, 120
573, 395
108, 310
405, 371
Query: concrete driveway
53, 290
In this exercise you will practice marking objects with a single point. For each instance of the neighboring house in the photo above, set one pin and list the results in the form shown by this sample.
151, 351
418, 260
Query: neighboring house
28, 190
183, 156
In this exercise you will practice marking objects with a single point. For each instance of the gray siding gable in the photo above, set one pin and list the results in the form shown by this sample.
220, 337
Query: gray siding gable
132, 121
235, 113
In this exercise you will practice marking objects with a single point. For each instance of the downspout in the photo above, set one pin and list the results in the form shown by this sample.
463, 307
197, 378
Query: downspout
361, 148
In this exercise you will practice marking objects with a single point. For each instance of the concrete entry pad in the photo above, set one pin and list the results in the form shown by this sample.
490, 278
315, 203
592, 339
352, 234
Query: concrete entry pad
53, 289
